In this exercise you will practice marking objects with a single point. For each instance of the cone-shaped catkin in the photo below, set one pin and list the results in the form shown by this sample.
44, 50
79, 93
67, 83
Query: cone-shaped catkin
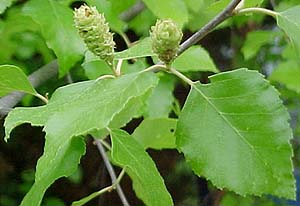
94, 30
165, 36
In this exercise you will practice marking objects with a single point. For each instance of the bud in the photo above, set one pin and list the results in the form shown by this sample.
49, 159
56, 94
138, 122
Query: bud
165, 36
94, 30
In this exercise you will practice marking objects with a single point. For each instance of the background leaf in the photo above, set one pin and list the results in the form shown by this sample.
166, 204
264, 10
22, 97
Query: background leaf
141, 49
147, 182
151, 136
112, 10
63, 122
161, 100
94, 67
12, 79
174, 9
235, 132
56, 21
255, 40
287, 73
252, 3
288, 20
195, 59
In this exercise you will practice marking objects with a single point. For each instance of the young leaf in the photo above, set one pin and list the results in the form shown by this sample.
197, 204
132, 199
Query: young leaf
195, 59
288, 20
12, 79
288, 73
141, 49
56, 21
99, 100
147, 182
235, 132
150, 135
173, 9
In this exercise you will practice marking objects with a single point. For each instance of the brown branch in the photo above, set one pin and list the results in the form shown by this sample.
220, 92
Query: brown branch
222, 16
132, 12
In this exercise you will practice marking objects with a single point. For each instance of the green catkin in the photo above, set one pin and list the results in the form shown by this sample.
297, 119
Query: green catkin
94, 30
166, 37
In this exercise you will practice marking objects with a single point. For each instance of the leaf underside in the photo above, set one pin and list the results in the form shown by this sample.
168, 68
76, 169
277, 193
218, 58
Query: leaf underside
235, 132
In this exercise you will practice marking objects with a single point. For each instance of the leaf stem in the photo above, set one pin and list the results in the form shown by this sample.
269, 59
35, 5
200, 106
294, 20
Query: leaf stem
112, 67
154, 67
126, 39
41, 97
258, 10
181, 76
106, 76
100, 192
119, 66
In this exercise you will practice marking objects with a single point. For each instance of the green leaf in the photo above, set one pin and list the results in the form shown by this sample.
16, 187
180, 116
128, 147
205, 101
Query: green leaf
196, 5
288, 20
151, 136
288, 73
141, 49
252, 3
54, 163
15, 24
94, 67
255, 40
12, 79
56, 22
142, 23
161, 101
195, 59
147, 182
100, 102
235, 132
173, 9
4, 4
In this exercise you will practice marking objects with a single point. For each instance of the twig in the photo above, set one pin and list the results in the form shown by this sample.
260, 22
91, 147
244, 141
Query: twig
226, 13
132, 12
273, 3
100, 192
111, 172
37, 78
